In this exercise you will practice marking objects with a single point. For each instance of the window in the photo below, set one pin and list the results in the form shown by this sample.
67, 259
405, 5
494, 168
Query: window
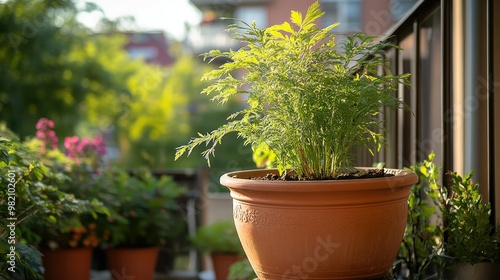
399, 8
347, 12
146, 53
252, 13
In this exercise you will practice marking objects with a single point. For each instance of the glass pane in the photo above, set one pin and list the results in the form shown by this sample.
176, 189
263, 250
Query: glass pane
430, 85
348, 13
352, 14
400, 8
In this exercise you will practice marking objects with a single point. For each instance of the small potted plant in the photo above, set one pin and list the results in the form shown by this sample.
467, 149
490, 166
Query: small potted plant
464, 244
468, 235
23, 192
311, 100
143, 217
470, 244
68, 230
221, 241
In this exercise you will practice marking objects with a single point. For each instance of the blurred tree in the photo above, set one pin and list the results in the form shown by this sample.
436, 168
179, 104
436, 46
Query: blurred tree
47, 67
51, 66
166, 111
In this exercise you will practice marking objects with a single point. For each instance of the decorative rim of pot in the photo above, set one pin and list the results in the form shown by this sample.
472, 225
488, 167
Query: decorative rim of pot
240, 179
346, 192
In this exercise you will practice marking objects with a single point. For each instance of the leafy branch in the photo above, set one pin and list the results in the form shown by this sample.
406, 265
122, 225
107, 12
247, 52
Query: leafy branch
310, 99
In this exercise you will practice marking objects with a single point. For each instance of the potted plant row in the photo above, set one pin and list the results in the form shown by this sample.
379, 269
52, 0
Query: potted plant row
311, 100
143, 217
72, 203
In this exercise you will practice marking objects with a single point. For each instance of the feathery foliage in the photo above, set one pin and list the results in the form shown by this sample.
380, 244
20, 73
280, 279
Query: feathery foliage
310, 99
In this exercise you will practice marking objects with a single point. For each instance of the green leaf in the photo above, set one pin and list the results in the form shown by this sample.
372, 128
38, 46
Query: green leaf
52, 219
287, 27
428, 211
296, 18
423, 170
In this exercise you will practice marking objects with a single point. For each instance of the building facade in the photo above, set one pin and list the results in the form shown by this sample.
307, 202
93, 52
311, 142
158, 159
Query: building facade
373, 17
150, 46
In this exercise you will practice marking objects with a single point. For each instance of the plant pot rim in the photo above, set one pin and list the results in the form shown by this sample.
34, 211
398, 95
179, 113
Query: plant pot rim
133, 248
47, 249
241, 180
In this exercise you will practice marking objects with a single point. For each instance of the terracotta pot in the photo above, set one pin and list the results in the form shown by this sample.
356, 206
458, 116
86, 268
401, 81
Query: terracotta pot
136, 263
331, 229
479, 271
67, 264
222, 263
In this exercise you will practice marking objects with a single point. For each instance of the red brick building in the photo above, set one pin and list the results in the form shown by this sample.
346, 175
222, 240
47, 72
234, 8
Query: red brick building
151, 46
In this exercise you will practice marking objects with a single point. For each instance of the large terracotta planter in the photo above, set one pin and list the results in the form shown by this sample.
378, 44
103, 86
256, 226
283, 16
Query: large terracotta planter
332, 229
137, 263
221, 264
72, 264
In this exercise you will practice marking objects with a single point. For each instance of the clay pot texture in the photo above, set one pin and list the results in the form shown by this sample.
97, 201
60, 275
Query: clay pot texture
137, 263
331, 229
72, 264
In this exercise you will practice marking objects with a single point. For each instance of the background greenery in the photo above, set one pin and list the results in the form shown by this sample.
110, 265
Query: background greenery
54, 67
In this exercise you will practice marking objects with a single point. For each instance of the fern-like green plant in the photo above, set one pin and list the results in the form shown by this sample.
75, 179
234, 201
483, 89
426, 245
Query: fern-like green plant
469, 236
310, 99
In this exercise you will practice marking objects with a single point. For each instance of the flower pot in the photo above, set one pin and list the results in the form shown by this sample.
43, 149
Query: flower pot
479, 271
221, 264
72, 264
331, 229
137, 263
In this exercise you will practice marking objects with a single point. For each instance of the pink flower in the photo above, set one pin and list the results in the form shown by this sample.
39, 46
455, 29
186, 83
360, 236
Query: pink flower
71, 145
44, 124
40, 134
99, 145
81, 150
46, 133
83, 146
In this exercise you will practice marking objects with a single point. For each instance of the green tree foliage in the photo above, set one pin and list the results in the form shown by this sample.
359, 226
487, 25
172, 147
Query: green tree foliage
166, 107
49, 65
54, 67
